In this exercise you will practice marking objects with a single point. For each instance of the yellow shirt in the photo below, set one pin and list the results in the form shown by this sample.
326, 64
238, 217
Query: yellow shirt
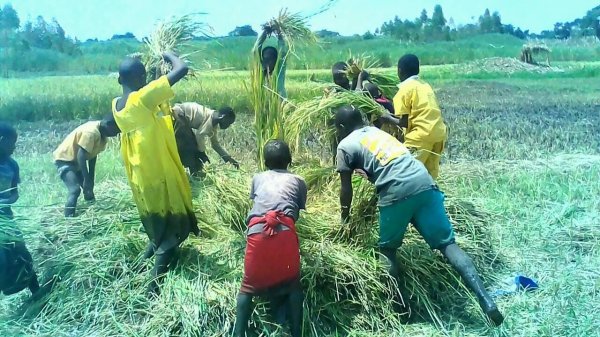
160, 187
416, 99
200, 118
86, 136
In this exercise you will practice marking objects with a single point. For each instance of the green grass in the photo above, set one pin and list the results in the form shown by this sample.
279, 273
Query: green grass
523, 149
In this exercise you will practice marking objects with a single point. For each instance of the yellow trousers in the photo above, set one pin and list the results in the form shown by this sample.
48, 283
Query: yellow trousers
430, 154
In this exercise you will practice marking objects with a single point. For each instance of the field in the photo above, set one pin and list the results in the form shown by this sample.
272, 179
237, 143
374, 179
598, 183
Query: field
230, 53
524, 149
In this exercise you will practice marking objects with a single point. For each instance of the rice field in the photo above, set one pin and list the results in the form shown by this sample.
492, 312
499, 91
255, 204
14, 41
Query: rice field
521, 174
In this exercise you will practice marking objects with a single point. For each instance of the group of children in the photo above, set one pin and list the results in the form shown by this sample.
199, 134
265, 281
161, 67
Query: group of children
157, 141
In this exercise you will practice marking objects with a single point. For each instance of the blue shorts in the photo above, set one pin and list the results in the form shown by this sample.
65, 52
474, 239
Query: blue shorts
425, 211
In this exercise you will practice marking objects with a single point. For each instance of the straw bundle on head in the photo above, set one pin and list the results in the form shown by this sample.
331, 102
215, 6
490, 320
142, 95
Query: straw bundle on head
293, 27
173, 35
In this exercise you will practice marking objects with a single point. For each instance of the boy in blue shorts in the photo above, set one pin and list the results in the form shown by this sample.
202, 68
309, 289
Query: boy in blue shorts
407, 193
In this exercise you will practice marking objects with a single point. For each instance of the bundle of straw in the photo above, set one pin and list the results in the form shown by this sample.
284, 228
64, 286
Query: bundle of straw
316, 114
293, 27
173, 35
387, 83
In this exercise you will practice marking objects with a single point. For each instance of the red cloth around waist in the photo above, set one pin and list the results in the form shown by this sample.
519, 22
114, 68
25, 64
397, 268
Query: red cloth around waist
271, 258
273, 219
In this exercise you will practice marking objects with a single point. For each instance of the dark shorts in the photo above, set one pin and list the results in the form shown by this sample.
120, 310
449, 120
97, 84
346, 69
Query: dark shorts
16, 264
425, 211
187, 146
66, 166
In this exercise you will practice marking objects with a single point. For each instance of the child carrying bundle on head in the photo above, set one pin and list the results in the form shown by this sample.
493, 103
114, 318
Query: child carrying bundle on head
75, 159
272, 261
16, 264
193, 124
272, 60
160, 187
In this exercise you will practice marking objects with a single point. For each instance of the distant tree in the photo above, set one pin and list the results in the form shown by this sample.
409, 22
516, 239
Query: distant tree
486, 23
423, 18
496, 23
127, 35
324, 33
438, 21
245, 30
368, 36
562, 31
9, 19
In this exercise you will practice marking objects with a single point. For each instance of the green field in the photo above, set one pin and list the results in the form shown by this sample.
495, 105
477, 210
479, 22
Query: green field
524, 150
233, 53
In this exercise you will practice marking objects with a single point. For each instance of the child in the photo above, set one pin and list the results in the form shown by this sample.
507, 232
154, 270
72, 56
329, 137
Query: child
16, 264
419, 112
385, 121
158, 181
193, 124
273, 62
272, 262
407, 193
75, 159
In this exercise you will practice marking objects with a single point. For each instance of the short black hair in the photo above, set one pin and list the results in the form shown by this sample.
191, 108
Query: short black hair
277, 155
131, 68
110, 121
7, 131
348, 117
373, 90
269, 52
409, 65
339, 66
227, 111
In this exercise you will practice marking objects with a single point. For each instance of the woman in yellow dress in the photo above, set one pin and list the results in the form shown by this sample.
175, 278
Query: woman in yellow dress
158, 181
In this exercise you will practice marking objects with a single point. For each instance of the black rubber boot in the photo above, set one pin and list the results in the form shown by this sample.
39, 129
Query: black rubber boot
463, 264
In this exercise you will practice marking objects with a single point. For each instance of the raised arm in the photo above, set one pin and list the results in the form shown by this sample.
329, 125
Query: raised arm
258, 45
180, 69
283, 52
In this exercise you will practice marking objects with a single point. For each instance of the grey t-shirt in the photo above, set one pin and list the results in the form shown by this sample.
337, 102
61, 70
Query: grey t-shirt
387, 162
277, 190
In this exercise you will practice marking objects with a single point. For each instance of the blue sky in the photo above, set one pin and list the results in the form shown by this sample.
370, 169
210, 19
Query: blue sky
103, 18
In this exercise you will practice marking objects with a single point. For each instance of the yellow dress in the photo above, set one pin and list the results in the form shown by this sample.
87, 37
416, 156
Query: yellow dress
160, 187
426, 130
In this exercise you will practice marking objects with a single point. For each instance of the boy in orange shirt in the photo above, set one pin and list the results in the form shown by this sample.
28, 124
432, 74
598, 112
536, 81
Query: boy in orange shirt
419, 112
75, 159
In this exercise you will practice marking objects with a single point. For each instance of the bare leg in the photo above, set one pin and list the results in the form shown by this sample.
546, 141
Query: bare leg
161, 265
71, 180
389, 259
465, 267
295, 310
242, 314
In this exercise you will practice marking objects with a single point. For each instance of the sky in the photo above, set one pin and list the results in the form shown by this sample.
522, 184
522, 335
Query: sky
102, 18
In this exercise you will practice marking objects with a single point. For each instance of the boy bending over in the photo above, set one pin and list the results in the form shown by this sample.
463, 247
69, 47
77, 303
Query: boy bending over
193, 124
75, 159
407, 193
272, 262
